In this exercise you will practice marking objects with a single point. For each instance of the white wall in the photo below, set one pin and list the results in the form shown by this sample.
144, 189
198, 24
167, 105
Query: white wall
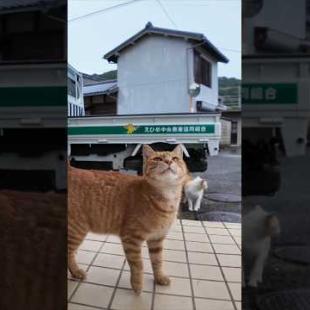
152, 77
154, 74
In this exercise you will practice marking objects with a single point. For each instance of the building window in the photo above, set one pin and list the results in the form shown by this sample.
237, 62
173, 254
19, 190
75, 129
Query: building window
71, 88
202, 70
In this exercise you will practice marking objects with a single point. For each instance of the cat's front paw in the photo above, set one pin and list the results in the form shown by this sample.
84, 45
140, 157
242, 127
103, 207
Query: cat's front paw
137, 285
162, 280
137, 288
79, 274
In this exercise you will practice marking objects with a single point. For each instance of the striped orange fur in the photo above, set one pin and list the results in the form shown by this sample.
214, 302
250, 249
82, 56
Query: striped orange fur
135, 208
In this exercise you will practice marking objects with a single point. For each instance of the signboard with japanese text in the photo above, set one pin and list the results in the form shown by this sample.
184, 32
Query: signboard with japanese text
270, 93
131, 129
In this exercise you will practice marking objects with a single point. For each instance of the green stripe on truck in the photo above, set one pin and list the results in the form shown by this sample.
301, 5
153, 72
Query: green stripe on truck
33, 96
142, 130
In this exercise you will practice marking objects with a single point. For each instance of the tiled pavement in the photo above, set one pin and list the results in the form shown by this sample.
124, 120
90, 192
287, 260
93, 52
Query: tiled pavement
202, 258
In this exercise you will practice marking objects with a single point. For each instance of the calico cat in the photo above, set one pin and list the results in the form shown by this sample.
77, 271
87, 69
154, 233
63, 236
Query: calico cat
193, 192
135, 208
258, 228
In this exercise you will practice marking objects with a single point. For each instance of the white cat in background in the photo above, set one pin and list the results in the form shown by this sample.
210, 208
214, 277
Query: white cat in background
193, 191
258, 227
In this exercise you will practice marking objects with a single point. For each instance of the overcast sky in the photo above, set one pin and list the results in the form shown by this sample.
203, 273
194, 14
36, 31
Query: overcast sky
89, 38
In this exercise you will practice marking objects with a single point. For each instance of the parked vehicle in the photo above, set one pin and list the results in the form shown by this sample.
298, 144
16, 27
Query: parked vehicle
114, 142
32, 108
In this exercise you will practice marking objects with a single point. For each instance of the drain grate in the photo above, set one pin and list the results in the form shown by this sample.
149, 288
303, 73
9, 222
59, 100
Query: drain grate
227, 198
219, 216
285, 300
294, 254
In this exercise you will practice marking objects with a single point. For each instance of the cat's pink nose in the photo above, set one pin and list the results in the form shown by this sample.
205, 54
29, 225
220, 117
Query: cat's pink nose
168, 161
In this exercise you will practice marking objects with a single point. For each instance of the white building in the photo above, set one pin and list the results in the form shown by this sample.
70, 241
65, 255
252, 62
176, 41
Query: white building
161, 70
75, 93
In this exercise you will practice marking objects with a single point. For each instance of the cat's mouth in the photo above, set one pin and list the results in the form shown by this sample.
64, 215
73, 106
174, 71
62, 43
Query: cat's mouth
169, 169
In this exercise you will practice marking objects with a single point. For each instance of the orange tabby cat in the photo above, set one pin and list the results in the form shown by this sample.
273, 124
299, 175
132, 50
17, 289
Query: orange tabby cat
136, 208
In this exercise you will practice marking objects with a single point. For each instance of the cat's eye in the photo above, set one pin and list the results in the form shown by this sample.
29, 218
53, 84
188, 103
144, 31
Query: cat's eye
157, 159
175, 158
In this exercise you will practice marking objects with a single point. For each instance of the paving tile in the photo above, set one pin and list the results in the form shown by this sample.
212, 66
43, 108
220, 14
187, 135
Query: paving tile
166, 302
96, 237
178, 286
235, 232
84, 257
71, 287
104, 276
196, 237
177, 222
221, 239
233, 225
213, 224
226, 248
113, 239
174, 256
91, 245
206, 272
218, 231
210, 289
235, 290
176, 269
205, 304
176, 228
93, 295
193, 246
109, 261
174, 235
228, 260
191, 223
72, 306
128, 300
238, 240
194, 229
125, 281
232, 274
202, 258
112, 248
174, 244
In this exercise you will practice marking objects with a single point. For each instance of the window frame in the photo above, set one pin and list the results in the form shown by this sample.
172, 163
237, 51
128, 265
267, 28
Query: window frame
202, 70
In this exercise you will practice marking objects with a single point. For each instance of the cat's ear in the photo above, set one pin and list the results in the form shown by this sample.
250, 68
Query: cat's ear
147, 151
178, 151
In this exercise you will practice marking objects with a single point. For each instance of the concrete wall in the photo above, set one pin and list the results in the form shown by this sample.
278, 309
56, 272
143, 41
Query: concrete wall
226, 132
154, 74
226, 125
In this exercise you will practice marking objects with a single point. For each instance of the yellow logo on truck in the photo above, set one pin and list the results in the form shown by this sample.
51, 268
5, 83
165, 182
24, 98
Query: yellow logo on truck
130, 128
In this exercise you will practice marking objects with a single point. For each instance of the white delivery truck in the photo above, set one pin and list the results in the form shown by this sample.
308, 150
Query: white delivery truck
114, 142
33, 103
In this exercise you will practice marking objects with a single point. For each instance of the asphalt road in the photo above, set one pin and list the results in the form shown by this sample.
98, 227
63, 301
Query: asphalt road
224, 189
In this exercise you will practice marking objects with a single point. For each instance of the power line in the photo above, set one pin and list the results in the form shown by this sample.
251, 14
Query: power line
166, 13
103, 10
